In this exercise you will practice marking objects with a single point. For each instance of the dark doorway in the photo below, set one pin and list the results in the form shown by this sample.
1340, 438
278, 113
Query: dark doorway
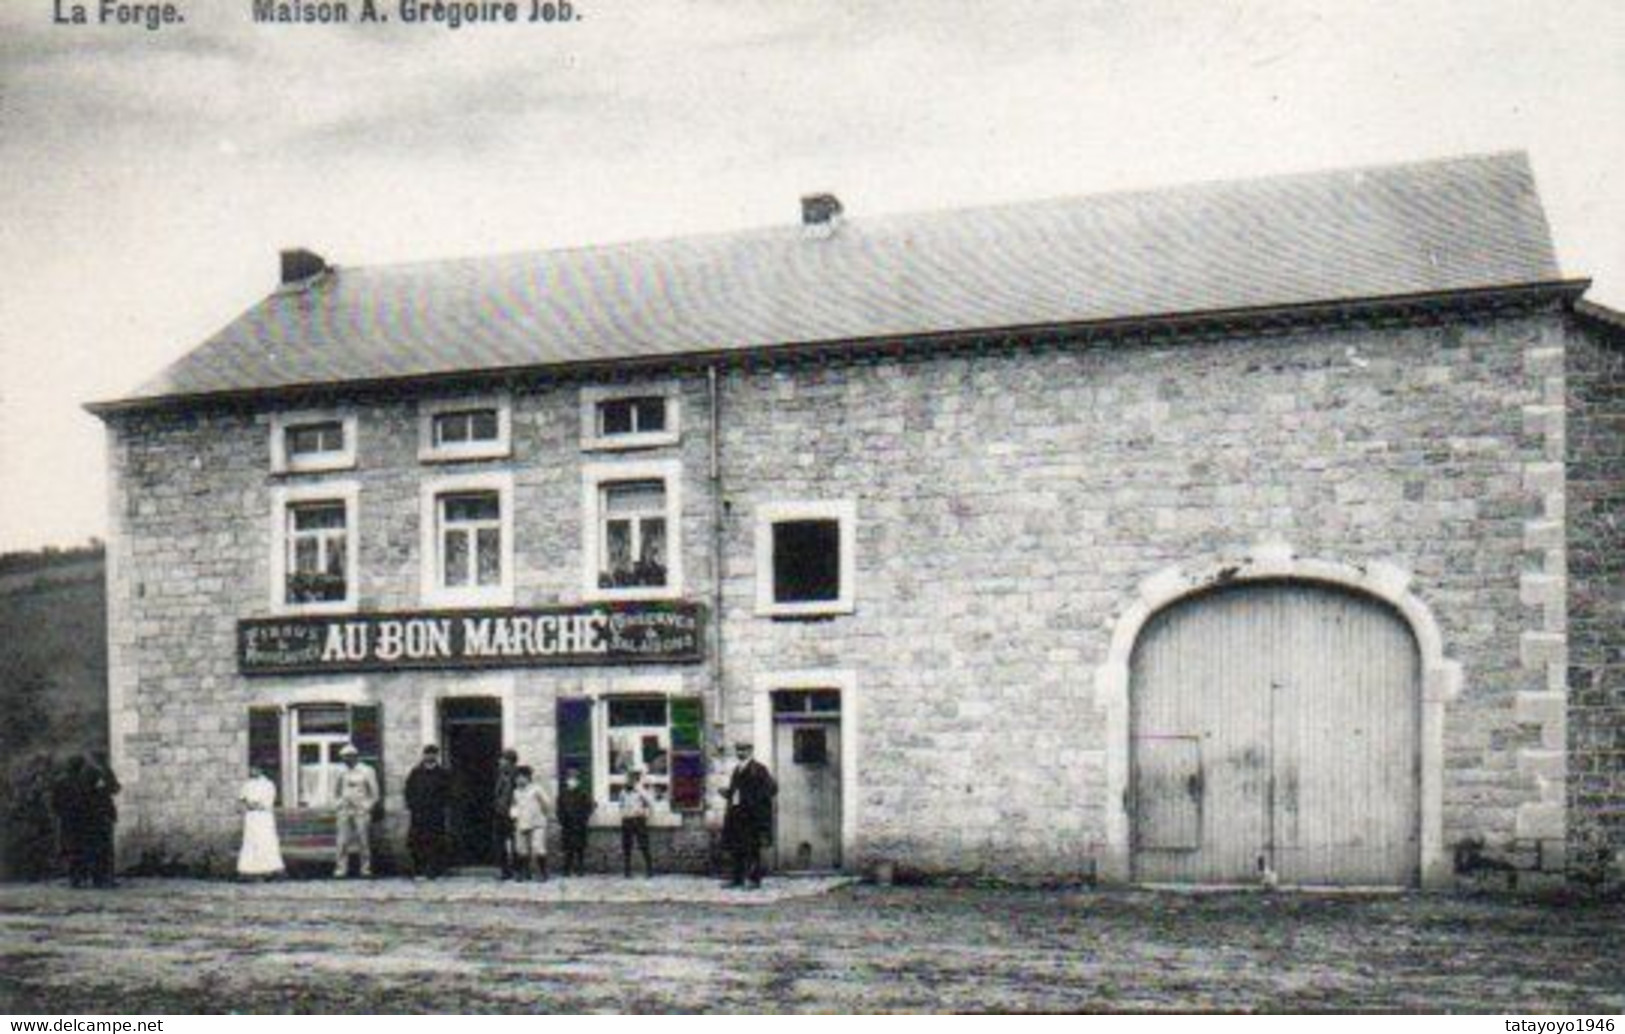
471, 736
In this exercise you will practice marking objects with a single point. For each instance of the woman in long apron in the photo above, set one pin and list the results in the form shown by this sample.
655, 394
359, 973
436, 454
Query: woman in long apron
261, 854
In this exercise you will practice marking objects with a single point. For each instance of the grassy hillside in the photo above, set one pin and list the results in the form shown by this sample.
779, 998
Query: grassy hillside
53, 684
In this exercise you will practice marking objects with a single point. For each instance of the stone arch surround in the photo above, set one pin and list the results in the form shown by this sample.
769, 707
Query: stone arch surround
1441, 680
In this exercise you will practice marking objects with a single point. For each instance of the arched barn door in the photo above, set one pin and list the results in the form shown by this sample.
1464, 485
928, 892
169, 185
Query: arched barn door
1274, 727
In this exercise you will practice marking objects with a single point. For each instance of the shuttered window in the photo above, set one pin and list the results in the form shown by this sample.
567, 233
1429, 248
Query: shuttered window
687, 754
265, 743
574, 716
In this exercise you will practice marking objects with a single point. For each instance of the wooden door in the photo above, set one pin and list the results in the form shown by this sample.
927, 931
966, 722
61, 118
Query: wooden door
807, 755
1274, 727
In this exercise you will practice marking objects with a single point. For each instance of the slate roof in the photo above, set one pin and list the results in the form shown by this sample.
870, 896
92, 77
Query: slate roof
1431, 227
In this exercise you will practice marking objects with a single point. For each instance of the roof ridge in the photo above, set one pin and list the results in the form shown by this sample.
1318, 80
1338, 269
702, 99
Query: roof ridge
1217, 183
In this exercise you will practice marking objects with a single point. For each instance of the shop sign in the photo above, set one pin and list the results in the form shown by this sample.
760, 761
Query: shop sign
610, 633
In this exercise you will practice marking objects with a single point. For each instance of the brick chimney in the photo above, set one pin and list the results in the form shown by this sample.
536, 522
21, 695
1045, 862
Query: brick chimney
299, 265
820, 214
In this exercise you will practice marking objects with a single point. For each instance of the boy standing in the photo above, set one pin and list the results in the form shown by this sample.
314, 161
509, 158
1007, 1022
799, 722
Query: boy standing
636, 804
575, 809
530, 811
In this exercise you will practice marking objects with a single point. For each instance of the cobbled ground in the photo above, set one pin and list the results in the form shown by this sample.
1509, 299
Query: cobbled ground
682, 944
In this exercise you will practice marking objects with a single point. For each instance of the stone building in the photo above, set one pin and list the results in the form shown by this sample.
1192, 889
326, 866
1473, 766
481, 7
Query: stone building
1245, 531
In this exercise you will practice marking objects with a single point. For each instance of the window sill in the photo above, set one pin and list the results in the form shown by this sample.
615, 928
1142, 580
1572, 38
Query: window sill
346, 606
794, 611
315, 466
623, 442
485, 451
608, 816
633, 594
469, 599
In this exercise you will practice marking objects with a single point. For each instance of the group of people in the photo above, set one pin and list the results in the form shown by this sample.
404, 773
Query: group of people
521, 810
83, 799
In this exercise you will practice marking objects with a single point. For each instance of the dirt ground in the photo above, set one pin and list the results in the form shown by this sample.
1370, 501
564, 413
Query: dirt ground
678, 944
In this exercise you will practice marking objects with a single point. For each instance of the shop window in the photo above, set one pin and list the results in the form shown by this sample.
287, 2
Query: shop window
805, 565
629, 418
659, 735
468, 555
299, 747
638, 739
465, 430
632, 541
305, 442
313, 559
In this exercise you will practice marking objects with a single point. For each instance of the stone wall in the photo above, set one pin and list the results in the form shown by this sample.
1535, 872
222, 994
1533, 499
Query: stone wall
1596, 562
1011, 502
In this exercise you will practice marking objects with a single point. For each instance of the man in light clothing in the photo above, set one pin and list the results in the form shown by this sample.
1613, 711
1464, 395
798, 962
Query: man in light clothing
357, 795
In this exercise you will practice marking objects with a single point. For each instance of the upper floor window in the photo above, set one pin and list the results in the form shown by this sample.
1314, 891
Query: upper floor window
312, 441
313, 548
466, 429
468, 540
318, 552
804, 558
629, 417
632, 547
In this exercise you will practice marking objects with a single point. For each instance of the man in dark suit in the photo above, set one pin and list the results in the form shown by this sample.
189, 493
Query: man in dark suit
428, 798
749, 823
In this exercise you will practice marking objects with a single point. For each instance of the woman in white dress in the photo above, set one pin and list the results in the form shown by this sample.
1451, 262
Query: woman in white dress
261, 855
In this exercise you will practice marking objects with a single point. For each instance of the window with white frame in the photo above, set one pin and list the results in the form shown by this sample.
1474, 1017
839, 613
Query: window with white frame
633, 544
805, 562
638, 738
467, 429
631, 530
312, 441
313, 547
655, 730
629, 417
468, 541
318, 568
319, 733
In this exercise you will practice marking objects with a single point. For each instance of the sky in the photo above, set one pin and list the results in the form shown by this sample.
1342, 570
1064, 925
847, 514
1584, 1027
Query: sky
148, 179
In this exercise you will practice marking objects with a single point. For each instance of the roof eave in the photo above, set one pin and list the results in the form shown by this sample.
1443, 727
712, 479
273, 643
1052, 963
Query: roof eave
1566, 291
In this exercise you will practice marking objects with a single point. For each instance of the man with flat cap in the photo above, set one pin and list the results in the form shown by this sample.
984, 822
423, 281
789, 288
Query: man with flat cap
356, 793
749, 823
428, 799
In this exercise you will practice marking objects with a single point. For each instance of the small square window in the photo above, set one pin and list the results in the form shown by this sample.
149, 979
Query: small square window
645, 414
806, 561
804, 558
463, 426
315, 439
464, 429
312, 441
629, 418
